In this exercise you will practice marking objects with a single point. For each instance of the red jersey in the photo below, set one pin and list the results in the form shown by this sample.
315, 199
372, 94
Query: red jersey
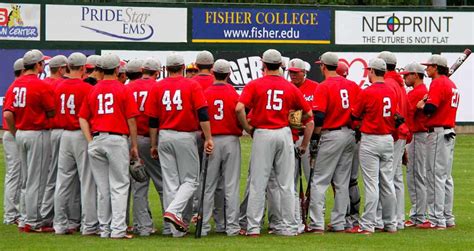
307, 88
445, 96
335, 96
376, 105
395, 82
29, 98
174, 101
140, 89
108, 106
416, 119
69, 96
222, 100
9, 92
271, 98
204, 80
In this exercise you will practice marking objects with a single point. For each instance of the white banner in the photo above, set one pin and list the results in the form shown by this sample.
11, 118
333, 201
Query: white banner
20, 21
115, 24
463, 77
404, 27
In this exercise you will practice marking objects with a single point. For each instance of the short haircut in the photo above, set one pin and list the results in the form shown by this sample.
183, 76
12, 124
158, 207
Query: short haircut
174, 69
74, 68
204, 66
272, 67
221, 76
134, 75
379, 73
391, 67
443, 70
97, 68
54, 70
109, 71
17, 73
420, 75
29, 66
331, 67
89, 70
148, 72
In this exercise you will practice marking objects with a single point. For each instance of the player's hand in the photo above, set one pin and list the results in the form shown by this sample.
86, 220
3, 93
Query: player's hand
422, 102
313, 147
301, 150
133, 152
250, 129
154, 152
209, 146
405, 158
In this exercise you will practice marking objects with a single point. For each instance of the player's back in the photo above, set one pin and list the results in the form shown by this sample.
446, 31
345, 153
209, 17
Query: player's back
140, 89
222, 100
379, 102
204, 80
69, 96
445, 96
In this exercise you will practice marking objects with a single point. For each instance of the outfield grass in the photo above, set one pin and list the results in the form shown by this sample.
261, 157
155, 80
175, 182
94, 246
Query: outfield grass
459, 238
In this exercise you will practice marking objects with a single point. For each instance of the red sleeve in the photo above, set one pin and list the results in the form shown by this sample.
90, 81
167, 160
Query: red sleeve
48, 98
85, 112
151, 106
8, 103
199, 101
246, 95
321, 95
359, 107
131, 107
435, 94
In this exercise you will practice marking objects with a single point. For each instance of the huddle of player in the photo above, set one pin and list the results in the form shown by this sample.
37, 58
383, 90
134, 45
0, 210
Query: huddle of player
69, 140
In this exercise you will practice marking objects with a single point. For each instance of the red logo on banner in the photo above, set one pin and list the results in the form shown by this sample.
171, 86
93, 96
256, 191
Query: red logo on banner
357, 61
3, 17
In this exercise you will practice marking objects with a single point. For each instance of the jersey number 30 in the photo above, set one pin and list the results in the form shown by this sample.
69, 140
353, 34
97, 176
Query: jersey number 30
20, 97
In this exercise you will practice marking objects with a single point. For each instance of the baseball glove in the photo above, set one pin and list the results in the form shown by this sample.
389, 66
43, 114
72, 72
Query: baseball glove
137, 170
295, 119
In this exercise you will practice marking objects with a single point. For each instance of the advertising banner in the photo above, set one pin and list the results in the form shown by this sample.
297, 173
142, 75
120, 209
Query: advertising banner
10, 56
20, 21
252, 25
115, 24
404, 27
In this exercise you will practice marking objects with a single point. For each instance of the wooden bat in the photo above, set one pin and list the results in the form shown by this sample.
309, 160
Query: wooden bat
459, 61
198, 232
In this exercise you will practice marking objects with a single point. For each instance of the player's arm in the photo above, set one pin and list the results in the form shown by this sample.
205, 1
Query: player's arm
10, 119
153, 123
86, 129
203, 116
308, 132
242, 117
132, 127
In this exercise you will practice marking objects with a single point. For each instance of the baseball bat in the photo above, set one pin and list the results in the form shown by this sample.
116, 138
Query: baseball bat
459, 61
198, 232
312, 164
301, 194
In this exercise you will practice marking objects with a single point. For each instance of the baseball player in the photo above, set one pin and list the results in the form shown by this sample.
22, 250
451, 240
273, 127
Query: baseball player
297, 71
27, 109
271, 98
413, 75
352, 215
57, 69
175, 106
204, 62
96, 72
122, 76
332, 107
11, 198
376, 108
191, 70
106, 118
395, 81
73, 163
225, 162
142, 219
440, 107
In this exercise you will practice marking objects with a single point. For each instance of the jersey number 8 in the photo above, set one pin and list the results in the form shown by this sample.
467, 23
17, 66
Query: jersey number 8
344, 98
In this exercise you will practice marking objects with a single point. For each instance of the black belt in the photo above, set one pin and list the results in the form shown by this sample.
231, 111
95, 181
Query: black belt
431, 129
334, 129
95, 134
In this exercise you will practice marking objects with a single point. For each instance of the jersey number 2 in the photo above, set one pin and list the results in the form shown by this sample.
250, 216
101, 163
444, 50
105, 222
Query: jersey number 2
274, 101
455, 98
387, 106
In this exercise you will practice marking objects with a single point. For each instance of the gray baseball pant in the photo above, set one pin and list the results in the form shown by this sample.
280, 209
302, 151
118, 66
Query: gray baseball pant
74, 168
416, 177
352, 215
305, 158
334, 163
11, 199
376, 161
179, 160
34, 149
110, 159
142, 218
224, 164
272, 150
440, 186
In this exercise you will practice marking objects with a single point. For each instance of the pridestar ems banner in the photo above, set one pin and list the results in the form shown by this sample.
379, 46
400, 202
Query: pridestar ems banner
20, 21
115, 24
404, 27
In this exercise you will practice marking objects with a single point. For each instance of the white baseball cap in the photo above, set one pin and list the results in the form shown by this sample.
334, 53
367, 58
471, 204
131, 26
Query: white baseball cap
272, 56
221, 66
92, 61
413, 68
58, 61
109, 61
174, 60
134, 65
437, 59
18, 65
204, 58
296, 65
76, 59
377, 64
388, 57
152, 64
328, 58
33, 57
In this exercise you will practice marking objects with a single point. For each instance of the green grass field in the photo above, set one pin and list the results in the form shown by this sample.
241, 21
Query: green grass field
459, 238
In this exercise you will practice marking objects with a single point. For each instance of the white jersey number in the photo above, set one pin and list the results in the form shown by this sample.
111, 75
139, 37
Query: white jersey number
167, 101
455, 98
69, 104
274, 101
220, 109
387, 106
20, 97
143, 95
106, 101
344, 98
